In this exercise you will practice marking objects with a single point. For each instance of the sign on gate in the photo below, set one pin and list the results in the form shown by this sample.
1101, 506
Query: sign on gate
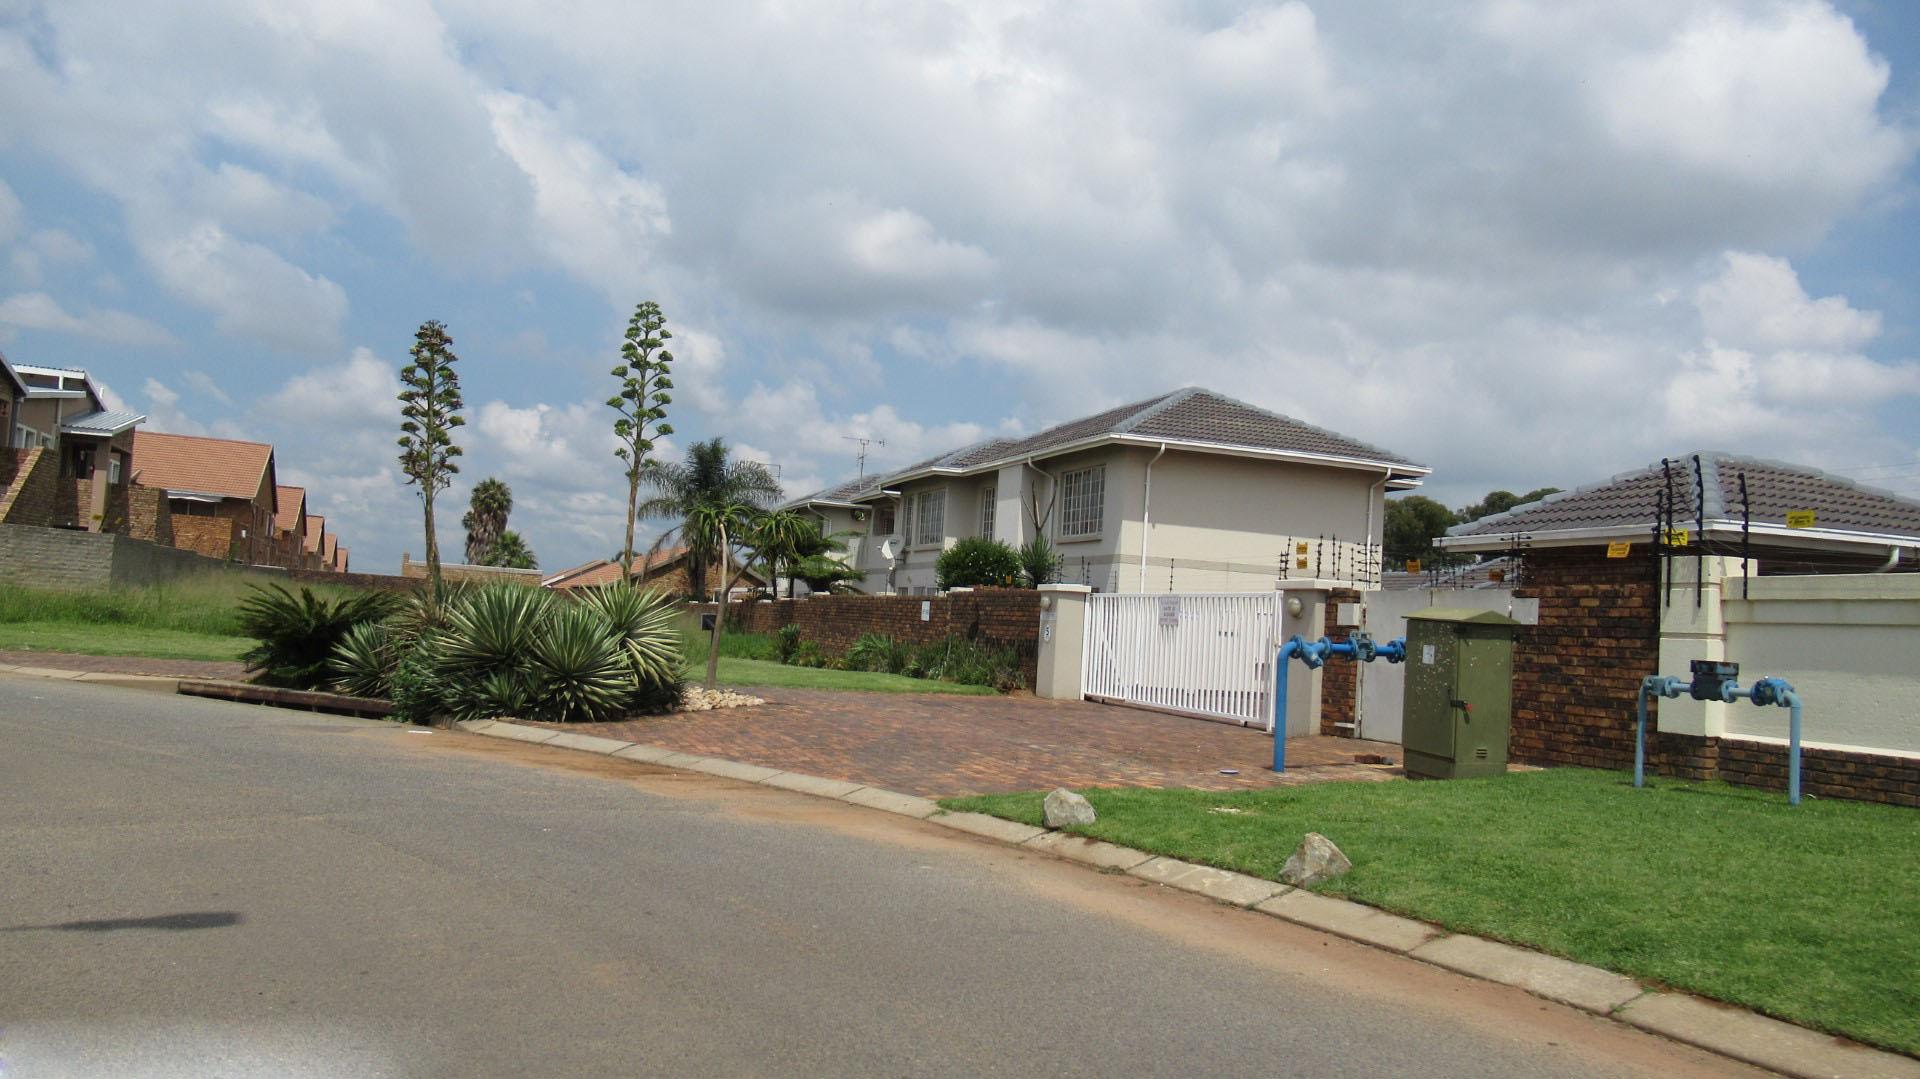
1207, 654
1169, 612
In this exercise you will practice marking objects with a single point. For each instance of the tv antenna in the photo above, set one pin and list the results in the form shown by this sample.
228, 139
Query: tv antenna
864, 443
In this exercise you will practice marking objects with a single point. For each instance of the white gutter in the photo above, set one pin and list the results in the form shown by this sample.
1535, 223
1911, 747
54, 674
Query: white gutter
1572, 537
1146, 517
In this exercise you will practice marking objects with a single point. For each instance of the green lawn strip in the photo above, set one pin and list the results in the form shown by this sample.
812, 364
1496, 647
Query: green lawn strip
119, 640
755, 672
1808, 914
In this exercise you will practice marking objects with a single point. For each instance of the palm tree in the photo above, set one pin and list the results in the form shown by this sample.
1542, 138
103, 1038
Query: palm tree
689, 489
486, 521
777, 538
716, 524
512, 552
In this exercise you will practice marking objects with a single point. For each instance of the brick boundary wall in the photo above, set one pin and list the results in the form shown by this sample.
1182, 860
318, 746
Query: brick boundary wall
383, 582
1576, 684
32, 556
1003, 616
33, 495
1339, 681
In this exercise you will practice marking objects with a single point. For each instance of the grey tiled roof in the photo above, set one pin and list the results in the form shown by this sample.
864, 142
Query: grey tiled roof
1186, 415
1630, 499
102, 423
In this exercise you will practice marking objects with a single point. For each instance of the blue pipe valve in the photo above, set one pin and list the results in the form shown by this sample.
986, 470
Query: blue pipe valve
1708, 685
1360, 647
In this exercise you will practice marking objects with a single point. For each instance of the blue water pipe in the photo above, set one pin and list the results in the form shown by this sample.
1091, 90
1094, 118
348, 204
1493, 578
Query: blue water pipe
1360, 648
1714, 682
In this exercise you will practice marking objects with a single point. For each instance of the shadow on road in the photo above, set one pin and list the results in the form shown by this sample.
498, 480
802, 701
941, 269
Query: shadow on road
199, 919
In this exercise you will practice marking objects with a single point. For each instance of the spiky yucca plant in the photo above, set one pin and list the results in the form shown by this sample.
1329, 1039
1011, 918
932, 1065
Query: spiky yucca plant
645, 624
581, 673
363, 663
297, 634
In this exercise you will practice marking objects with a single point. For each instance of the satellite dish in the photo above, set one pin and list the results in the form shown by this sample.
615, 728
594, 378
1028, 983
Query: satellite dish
891, 547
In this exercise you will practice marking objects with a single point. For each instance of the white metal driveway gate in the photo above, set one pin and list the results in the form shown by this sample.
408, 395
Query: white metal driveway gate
1204, 654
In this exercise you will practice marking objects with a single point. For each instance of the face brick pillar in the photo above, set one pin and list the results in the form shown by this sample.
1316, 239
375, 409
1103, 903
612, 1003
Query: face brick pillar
1063, 637
102, 471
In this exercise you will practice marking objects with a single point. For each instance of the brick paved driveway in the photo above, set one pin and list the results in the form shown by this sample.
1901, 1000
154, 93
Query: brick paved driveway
948, 745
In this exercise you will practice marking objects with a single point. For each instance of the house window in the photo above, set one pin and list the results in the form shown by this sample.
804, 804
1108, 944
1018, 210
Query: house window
113, 468
883, 520
987, 495
26, 438
1083, 497
928, 516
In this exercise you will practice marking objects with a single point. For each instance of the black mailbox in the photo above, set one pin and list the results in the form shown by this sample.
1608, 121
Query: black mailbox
1708, 676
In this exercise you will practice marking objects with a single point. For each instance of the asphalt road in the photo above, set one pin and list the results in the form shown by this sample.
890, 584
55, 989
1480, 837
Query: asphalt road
195, 888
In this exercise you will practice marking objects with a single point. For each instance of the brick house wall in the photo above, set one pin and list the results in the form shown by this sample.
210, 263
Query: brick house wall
1007, 617
212, 537
148, 516
35, 493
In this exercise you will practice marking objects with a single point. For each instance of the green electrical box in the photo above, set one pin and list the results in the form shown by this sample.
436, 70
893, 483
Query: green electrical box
1459, 696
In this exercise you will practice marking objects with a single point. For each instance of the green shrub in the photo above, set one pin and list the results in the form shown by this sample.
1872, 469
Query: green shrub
878, 652
1039, 562
787, 642
297, 634
807, 654
976, 561
418, 695
643, 623
969, 663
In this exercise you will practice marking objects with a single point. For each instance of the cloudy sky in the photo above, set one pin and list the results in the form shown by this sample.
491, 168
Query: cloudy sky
1525, 243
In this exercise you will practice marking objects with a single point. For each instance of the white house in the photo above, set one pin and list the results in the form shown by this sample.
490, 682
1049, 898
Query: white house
1188, 491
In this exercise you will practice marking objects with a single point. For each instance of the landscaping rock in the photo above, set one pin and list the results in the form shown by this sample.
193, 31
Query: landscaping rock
1315, 860
1066, 809
701, 699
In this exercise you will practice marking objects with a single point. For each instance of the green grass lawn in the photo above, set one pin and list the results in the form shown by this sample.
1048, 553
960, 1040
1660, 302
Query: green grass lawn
735, 671
108, 639
1811, 914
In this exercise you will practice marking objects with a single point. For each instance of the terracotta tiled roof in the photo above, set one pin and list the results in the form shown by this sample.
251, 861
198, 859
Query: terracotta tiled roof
607, 570
292, 500
342, 560
1628, 502
330, 548
316, 528
216, 466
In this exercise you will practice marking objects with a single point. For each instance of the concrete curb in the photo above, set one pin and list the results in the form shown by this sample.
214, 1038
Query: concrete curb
157, 683
1718, 1028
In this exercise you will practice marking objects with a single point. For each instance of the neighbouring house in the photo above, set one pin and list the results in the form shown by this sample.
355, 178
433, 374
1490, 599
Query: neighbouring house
313, 542
1189, 491
340, 559
68, 458
290, 527
665, 570
1783, 569
220, 493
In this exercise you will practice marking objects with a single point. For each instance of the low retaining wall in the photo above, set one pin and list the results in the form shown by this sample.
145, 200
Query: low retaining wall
1003, 616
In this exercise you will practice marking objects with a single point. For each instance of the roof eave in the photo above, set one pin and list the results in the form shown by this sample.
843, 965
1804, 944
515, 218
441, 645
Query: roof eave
1407, 476
1818, 538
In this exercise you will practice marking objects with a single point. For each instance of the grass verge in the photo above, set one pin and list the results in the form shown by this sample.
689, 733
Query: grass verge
1804, 913
119, 640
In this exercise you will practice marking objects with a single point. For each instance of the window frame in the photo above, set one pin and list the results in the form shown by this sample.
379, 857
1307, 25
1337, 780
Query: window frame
1097, 502
989, 510
916, 518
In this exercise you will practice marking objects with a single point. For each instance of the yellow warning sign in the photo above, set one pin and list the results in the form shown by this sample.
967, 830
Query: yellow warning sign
1299, 563
1413, 565
1299, 548
1678, 537
1620, 549
1799, 518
